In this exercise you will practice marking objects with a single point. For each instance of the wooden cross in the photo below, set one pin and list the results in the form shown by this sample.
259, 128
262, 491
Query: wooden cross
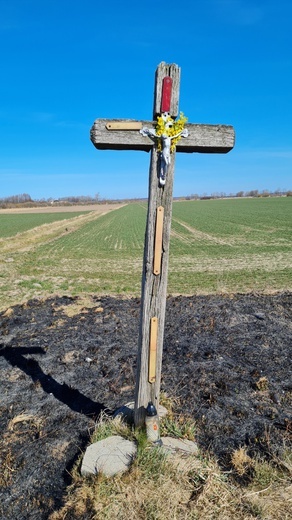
127, 134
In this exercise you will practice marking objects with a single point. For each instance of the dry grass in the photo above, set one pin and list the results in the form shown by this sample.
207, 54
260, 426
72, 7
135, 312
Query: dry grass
23, 418
164, 487
16, 428
7, 467
81, 306
262, 384
241, 461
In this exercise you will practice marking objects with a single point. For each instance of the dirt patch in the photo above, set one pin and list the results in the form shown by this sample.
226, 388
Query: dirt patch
226, 360
100, 208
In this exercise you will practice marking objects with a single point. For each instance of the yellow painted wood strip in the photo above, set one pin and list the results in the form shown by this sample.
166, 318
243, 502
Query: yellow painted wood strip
153, 350
158, 240
124, 125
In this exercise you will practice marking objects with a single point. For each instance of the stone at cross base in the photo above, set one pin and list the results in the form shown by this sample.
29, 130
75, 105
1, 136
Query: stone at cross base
125, 134
114, 455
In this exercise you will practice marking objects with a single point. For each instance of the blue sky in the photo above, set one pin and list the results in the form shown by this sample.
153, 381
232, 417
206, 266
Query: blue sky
65, 63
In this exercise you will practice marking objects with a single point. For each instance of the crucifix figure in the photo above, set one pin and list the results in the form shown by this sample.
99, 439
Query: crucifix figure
162, 138
165, 157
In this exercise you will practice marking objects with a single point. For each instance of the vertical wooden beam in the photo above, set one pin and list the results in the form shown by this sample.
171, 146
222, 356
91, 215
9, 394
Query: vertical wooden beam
154, 287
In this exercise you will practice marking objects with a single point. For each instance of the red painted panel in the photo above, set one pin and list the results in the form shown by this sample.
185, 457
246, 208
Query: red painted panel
166, 94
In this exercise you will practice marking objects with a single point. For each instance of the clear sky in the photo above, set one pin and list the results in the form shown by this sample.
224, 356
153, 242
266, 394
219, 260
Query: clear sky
64, 63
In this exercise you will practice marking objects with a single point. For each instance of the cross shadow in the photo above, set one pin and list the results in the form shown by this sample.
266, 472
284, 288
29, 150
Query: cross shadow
64, 393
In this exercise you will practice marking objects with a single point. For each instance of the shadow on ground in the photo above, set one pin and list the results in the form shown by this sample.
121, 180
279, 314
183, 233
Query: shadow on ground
226, 360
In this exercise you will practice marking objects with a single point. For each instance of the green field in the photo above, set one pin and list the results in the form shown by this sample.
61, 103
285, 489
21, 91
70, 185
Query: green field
235, 245
10, 225
231, 245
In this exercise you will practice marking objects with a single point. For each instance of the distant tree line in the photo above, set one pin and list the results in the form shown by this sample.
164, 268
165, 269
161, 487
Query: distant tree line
25, 200
79, 199
16, 199
251, 193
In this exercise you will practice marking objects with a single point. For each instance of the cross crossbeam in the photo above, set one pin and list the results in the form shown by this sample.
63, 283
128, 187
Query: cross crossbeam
201, 138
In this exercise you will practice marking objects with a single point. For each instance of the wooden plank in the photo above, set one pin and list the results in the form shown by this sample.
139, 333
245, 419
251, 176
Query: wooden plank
201, 138
153, 350
124, 125
158, 240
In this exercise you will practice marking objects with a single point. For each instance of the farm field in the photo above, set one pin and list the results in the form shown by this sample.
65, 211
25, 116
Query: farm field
11, 224
217, 246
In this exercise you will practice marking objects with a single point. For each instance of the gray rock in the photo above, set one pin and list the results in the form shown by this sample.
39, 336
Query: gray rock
181, 446
108, 456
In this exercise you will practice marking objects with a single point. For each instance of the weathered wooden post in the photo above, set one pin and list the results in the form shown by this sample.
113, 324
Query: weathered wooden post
163, 137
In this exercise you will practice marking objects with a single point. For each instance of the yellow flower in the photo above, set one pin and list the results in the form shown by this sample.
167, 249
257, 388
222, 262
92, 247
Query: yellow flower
168, 126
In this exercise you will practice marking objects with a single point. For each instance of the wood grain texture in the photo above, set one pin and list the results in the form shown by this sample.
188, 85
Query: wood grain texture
202, 138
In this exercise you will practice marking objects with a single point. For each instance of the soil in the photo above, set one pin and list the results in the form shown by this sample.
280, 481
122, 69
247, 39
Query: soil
100, 208
226, 363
